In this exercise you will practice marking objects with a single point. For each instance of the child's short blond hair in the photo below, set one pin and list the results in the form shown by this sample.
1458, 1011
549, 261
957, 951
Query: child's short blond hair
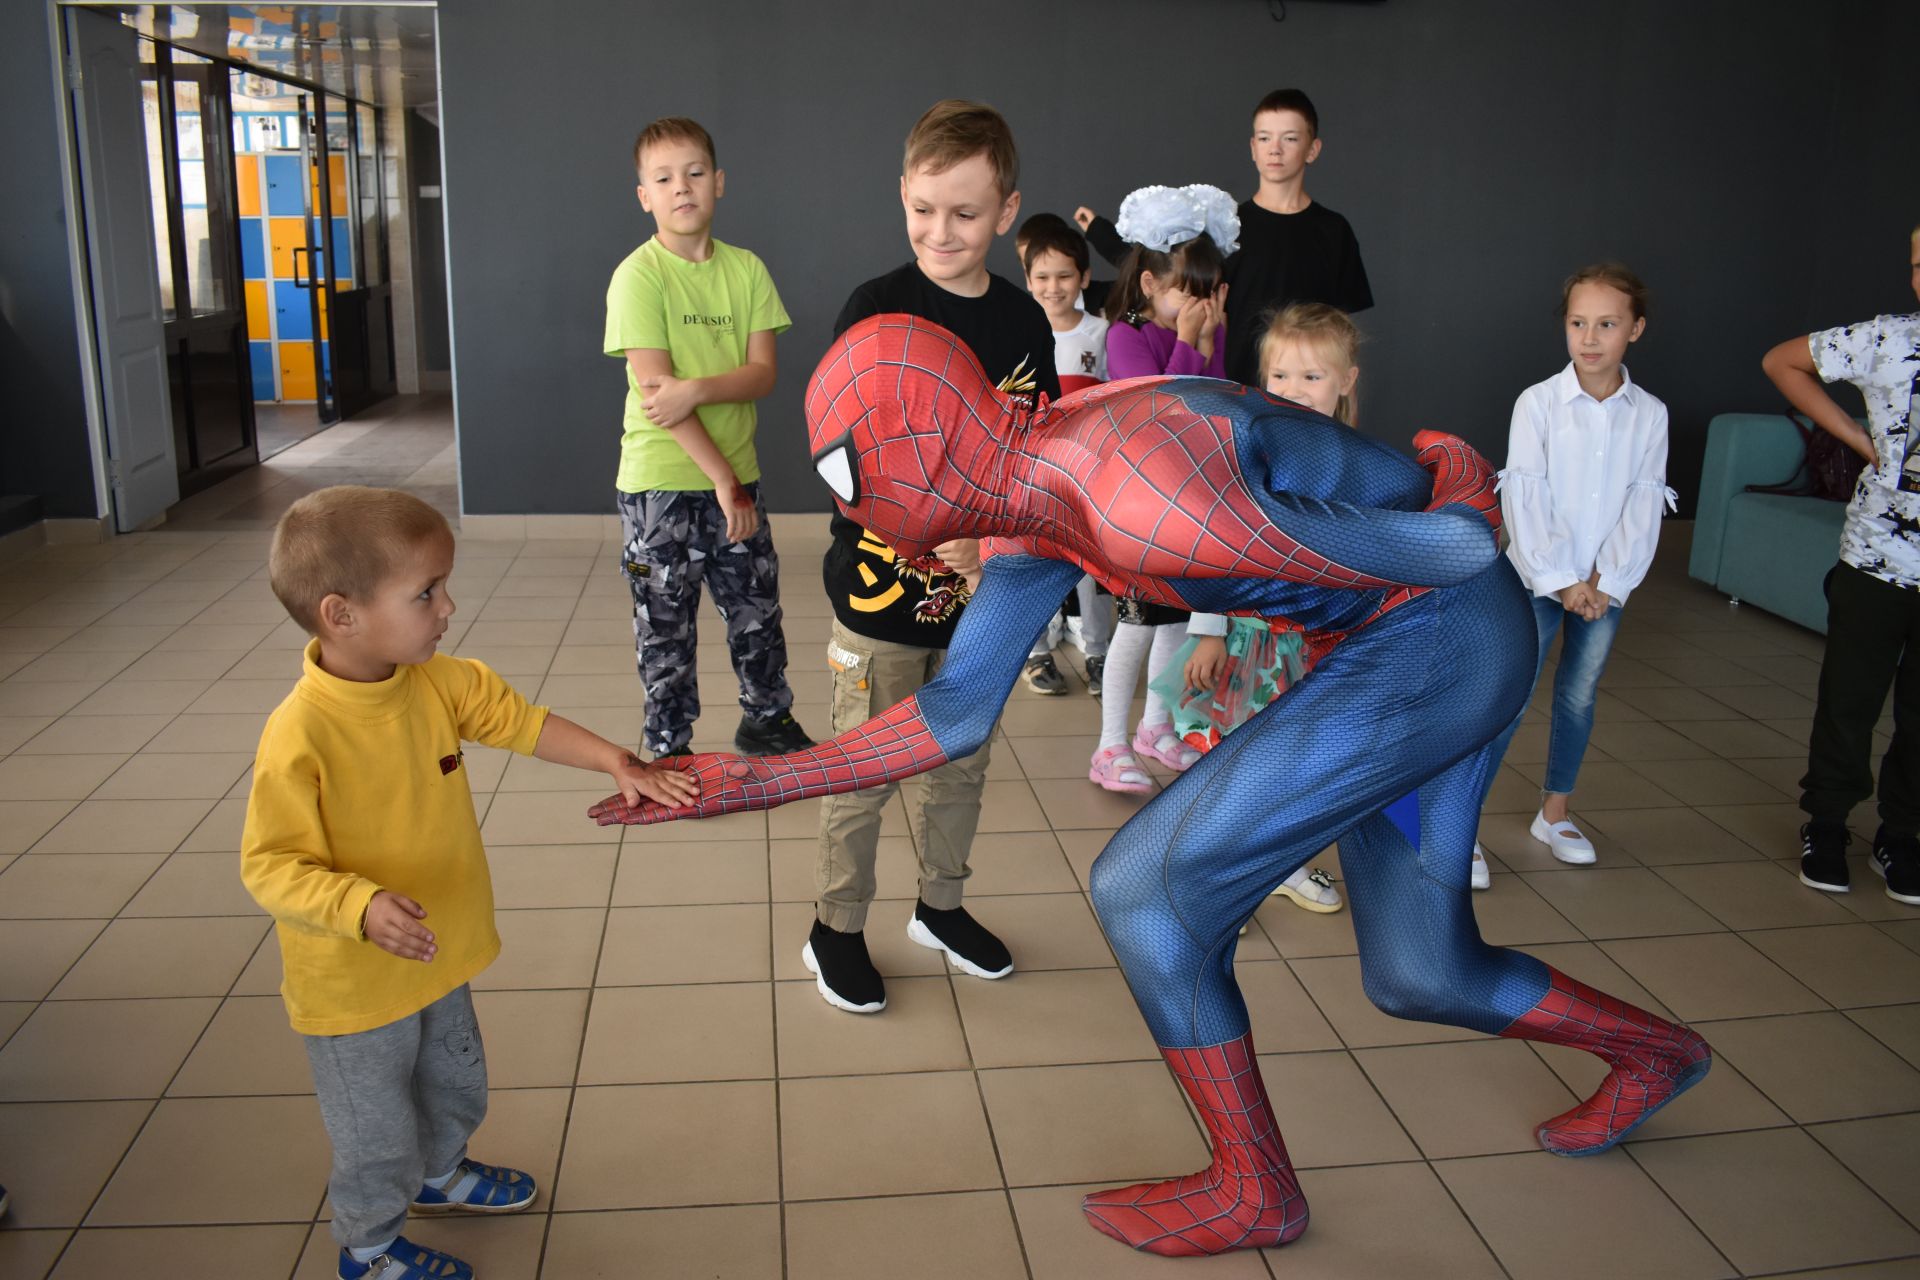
1332, 333
954, 130
345, 540
674, 129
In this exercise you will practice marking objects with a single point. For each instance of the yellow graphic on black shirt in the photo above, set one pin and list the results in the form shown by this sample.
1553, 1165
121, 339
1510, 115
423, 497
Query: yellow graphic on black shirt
945, 591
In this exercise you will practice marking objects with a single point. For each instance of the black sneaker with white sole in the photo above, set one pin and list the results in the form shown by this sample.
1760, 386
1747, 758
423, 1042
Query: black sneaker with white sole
1823, 857
842, 970
780, 736
968, 943
1897, 859
1042, 676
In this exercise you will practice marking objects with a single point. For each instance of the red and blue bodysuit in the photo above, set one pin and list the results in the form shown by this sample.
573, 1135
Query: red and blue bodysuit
1207, 496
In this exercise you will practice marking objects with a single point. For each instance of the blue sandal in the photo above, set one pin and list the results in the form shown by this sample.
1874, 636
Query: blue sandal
492, 1190
405, 1260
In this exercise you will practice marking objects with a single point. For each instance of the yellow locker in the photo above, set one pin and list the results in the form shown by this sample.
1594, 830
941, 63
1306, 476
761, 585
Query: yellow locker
259, 315
284, 235
337, 184
296, 371
247, 171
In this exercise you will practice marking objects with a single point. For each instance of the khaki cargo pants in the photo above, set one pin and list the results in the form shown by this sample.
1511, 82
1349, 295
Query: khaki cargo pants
868, 677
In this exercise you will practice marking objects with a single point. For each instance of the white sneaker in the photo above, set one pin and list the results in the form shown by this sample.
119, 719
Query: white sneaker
1311, 889
1563, 841
1482, 874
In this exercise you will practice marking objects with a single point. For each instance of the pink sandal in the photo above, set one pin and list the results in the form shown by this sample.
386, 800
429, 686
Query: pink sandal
1175, 754
1115, 769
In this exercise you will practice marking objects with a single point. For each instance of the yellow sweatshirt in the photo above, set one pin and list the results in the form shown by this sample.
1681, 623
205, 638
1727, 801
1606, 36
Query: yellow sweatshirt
360, 787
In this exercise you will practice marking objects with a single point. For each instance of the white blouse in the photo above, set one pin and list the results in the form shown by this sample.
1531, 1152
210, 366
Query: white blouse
1583, 486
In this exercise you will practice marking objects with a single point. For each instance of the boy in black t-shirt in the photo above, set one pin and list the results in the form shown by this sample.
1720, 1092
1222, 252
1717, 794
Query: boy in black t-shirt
893, 619
1291, 249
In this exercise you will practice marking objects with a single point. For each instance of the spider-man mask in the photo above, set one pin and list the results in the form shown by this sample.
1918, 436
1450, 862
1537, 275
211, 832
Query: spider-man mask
907, 431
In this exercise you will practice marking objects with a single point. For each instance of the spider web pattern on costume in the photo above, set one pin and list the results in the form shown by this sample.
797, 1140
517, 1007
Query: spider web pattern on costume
1247, 1198
893, 744
1653, 1061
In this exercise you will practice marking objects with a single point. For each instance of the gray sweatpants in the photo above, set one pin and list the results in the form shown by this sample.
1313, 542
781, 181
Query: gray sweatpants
399, 1103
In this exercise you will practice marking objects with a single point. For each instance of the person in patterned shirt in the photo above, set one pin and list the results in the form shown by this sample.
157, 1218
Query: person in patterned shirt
1873, 597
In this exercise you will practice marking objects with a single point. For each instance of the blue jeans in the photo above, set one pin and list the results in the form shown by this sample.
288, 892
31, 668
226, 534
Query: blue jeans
1583, 656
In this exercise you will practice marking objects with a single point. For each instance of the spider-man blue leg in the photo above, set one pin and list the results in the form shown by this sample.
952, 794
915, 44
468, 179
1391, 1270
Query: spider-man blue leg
1338, 758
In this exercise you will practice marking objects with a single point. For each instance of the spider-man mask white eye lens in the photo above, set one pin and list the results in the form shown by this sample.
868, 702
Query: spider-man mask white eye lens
837, 465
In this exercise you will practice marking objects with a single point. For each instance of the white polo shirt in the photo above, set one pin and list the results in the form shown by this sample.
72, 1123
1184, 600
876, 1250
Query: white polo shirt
1882, 358
1584, 484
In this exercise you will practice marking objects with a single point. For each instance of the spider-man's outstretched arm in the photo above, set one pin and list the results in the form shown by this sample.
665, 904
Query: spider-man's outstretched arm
949, 718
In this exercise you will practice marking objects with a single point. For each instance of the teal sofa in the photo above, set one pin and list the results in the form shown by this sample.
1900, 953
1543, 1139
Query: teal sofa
1759, 548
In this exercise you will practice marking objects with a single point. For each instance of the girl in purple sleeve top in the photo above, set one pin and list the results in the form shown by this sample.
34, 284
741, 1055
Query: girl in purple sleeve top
1168, 313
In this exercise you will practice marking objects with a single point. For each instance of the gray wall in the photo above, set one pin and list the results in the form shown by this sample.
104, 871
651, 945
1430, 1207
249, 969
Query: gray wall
43, 417
1752, 159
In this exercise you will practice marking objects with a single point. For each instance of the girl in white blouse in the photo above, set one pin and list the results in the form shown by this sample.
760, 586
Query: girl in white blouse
1581, 500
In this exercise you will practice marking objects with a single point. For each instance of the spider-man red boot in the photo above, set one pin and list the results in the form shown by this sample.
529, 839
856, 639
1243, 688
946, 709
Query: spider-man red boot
1654, 1061
1247, 1198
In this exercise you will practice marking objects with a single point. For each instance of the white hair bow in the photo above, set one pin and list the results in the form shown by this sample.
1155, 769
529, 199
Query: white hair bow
1162, 217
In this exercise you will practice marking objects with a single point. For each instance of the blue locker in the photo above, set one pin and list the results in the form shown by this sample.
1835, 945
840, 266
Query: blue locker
293, 316
342, 250
261, 357
253, 249
286, 196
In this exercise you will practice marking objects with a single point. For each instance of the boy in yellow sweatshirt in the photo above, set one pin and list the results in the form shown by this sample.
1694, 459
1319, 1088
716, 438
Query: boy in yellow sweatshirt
361, 841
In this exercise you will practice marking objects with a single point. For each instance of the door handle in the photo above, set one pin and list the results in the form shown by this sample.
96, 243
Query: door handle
298, 283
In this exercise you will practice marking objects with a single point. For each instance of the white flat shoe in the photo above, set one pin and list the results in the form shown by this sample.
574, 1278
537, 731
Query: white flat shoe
1311, 889
1482, 874
1563, 841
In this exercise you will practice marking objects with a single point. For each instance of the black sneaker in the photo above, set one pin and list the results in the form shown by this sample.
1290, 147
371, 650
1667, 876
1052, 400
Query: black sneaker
968, 944
780, 736
1823, 857
842, 970
1096, 669
1042, 676
1897, 859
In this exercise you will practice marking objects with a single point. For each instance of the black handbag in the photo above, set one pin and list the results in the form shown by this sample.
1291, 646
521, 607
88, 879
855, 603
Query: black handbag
1828, 469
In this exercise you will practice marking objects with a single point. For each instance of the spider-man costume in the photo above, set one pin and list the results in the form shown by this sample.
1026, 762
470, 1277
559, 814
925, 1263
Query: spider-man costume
1207, 496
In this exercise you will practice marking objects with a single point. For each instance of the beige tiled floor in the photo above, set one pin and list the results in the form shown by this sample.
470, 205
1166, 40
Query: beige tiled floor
661, 1060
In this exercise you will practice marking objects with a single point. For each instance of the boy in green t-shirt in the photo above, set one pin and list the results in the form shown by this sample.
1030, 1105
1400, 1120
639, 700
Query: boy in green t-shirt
695, 320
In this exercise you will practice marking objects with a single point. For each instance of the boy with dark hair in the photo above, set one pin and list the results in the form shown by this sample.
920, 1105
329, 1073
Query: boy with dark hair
1292, 249
1093, 293
695, 321
1054, 256
893, 618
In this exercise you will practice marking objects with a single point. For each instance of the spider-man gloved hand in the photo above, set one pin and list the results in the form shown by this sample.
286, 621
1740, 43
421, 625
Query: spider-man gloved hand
1460, 474
893, 745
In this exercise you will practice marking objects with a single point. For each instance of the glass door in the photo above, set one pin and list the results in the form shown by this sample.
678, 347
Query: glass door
323, 179
355, 245
190, 172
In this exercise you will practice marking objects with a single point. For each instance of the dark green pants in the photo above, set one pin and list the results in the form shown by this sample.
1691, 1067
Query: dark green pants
1873, 641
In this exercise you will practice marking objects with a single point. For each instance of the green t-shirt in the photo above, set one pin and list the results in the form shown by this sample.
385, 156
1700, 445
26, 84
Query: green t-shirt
700, 314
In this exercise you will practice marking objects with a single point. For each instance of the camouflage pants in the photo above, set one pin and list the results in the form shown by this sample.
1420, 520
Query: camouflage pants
671, 542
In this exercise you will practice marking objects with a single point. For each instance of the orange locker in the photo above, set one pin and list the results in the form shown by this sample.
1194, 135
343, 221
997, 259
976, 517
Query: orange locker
259, 316
296, 371
247, 169
284, 235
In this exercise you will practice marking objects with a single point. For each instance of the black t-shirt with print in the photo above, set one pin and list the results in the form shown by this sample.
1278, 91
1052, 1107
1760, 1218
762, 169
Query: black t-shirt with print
1309, 256
873, 594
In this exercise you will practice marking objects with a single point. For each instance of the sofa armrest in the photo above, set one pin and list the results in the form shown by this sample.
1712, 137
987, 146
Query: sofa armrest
1742, 449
